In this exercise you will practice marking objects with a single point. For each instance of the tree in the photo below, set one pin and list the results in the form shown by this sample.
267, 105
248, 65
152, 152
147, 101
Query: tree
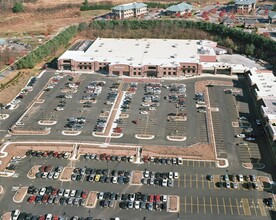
274, 7
18, 7
249, 49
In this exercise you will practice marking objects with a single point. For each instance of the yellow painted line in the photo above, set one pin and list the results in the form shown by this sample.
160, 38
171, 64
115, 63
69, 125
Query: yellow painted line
246, 206
191, 181
231, 208
204, 205
191, 204
217, 205
196, 182
262, 208
197, 204
224, 206
211, 205
237, 205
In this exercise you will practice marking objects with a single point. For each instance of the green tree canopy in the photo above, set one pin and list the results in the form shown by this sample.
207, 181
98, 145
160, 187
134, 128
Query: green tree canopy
17, 7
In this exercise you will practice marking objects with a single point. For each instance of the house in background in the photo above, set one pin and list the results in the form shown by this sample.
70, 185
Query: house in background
249, 23
245, 6
179, 9
272, 17
130, 10
229, 22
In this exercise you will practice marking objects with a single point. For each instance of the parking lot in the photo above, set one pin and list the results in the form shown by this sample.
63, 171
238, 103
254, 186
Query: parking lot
198, 194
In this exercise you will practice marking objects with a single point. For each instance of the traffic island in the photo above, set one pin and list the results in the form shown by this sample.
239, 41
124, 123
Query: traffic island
91, 200
173, 203
47, 122
71, 133
265, 182
32, 172
123, 115
20, 194
28, 132
91, 101
6, 216
117, 135
66, 174
4, 116
136, 178
144, 136
176, 138
251, 166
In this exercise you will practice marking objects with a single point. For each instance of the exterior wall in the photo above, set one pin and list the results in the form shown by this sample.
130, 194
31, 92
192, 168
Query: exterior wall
124, 14
244, 9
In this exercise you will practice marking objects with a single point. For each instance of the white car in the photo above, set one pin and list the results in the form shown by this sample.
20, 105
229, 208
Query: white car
101, 196
145, 104
132, 197
66, 193
164, 198
250, 139
144, 113
152, 108
56, 175
16, 214
240, 135
240, 177
164, 182
59, 108
170, 175
114, 179
179, 161
131, 159
73, 192
49, 217
42, 191
146, 174
137, 204
175, 175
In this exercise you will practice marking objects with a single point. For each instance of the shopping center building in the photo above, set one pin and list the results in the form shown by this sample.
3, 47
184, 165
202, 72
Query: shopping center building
143, 57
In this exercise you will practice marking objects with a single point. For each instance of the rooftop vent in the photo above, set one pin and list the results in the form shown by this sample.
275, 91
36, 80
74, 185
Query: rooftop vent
145, 51
96, 50
110, 51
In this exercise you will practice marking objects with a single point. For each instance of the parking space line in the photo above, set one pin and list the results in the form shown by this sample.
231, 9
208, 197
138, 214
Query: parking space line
190, 180
217, 205
211, 205
262, 208
237, 205
204, 163
197, 204
202, 179
196, 182
231, 208
209, 184
204, 206
187, 162
184, 180
185, 205
254, 206
224, 206
191, 204
246, 207
179, 181
193, 163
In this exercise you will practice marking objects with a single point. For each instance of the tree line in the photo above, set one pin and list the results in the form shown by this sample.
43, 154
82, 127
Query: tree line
47, 49
238, 40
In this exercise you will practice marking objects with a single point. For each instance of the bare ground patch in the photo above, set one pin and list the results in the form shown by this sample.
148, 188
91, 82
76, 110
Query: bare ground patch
136, 177
91, 200
33, 171
66, 174
20, 194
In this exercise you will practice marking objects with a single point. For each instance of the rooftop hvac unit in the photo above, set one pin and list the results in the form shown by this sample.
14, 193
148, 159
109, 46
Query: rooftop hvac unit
96, 50
145, 51
110, 51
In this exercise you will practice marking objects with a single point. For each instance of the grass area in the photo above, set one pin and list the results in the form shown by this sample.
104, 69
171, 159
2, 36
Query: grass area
93, 13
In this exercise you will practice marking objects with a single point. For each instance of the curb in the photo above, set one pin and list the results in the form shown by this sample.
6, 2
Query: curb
222, 166
19, 201
170, 138
140, 137
71, 134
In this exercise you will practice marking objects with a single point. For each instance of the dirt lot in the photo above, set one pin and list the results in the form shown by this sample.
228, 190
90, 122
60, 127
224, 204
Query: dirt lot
66, 174
33, 171
136, 177
91, 200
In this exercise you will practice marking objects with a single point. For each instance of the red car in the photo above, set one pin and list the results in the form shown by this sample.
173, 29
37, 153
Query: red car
55, 154
55, 217
103, 157
31, 199
84, 194
42, 217
45, 154
151, 198
45, 198
42, 168
157, 198
48, 168
54, 192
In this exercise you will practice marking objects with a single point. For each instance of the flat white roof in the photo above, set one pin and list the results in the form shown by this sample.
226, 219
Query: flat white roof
266, 84
139, 52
